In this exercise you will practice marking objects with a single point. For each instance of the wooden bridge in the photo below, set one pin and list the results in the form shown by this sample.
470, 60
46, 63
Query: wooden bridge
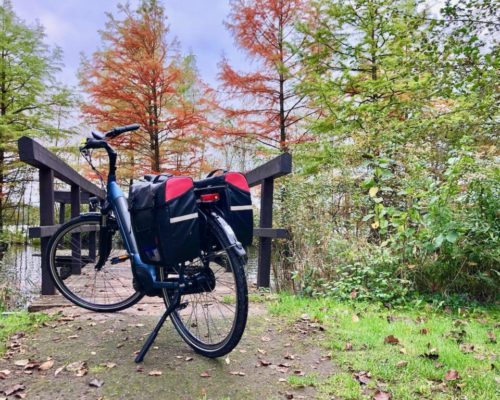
51, 167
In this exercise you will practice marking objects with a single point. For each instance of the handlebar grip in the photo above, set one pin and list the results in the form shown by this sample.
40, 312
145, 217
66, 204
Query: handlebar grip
93, 144
122, 129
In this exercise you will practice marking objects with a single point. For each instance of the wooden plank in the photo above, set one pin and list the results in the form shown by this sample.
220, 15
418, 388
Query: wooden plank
274, 233
42, 231
279, 166
62, 196
46, 178
35, 154
47, 231
266, 221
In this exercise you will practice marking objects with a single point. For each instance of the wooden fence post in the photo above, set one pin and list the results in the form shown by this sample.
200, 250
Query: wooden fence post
76, 241
265, 244
46, 181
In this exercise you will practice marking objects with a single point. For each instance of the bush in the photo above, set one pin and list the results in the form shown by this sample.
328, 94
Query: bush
393, 231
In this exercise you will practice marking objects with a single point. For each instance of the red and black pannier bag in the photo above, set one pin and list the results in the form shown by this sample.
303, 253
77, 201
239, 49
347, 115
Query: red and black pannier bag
235, 201
165, 219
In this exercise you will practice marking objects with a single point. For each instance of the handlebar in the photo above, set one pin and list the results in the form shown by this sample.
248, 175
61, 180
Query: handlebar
98, 141
121, 129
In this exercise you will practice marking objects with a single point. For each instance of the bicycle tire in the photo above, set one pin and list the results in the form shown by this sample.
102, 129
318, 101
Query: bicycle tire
59, 276
231, 340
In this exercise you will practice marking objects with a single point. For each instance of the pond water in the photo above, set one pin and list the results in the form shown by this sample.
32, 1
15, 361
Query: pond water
20, 274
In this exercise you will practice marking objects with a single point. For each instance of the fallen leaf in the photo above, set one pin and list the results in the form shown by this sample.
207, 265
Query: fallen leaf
73, 337
466, 348
20, 395
491, 336
227, 360
424, 331
348, 346
109, 365
78, 367
401, 364
46, 365
4, 373
451, 375
363, 377
402, 350
155, 372
391, 340
298, 372
59, 370
380, 395
265, 363
13, 389
432, 354
285, 365
31, 365
96, 383
21, 363
238, 373
205, 374
265, 338
355, 318
119, 345
263, 352
188, 359
289, 357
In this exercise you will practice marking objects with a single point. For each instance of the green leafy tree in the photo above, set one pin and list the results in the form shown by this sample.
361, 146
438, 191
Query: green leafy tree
401, 92
29, 94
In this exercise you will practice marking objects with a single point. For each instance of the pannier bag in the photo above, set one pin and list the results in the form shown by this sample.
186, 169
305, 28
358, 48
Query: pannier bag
164, 217
235, 201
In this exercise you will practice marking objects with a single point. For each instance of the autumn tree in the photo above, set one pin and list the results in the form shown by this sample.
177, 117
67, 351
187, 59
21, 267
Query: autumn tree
140, 76
265, 102
30, 98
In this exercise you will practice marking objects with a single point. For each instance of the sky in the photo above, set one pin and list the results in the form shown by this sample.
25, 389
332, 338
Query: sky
73, 25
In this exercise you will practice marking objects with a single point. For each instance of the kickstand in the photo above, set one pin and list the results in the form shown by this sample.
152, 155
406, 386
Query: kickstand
151, 338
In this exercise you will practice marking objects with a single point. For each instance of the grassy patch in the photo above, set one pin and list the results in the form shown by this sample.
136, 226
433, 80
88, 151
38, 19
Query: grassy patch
302, 381
413, 363
10, 323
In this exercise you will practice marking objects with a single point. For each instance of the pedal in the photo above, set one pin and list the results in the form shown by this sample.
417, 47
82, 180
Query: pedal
119, 259
182, 306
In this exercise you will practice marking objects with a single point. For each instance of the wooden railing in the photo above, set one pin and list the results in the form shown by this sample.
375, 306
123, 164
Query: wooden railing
50, 167
264, 176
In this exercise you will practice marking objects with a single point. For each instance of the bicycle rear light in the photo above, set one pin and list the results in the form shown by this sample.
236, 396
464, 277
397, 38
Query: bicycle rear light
209, 197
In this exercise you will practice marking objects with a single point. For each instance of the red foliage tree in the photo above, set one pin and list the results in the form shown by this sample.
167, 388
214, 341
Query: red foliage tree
139, 76
269, 106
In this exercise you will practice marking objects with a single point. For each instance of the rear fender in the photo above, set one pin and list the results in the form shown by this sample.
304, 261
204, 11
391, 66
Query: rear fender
229, 239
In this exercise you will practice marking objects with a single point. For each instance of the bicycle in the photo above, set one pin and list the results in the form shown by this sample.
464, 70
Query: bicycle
94, 262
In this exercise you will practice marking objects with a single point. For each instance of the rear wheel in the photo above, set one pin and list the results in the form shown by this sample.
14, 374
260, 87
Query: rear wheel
73, 260
213, 322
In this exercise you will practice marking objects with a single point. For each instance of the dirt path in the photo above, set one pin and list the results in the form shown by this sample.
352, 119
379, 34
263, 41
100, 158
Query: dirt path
87, 347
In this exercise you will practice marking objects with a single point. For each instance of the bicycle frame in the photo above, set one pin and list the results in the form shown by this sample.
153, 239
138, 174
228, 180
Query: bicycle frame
145, 274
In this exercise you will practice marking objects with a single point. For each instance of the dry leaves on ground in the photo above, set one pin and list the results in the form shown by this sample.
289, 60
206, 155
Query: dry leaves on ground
96, 383
380, 395
391, 339
46, 365
452, 375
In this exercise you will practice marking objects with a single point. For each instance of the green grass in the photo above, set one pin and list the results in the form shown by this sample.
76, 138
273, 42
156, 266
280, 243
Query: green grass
365, 327
22, 321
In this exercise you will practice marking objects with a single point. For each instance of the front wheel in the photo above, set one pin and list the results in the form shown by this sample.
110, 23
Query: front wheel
85, 276
212, 322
